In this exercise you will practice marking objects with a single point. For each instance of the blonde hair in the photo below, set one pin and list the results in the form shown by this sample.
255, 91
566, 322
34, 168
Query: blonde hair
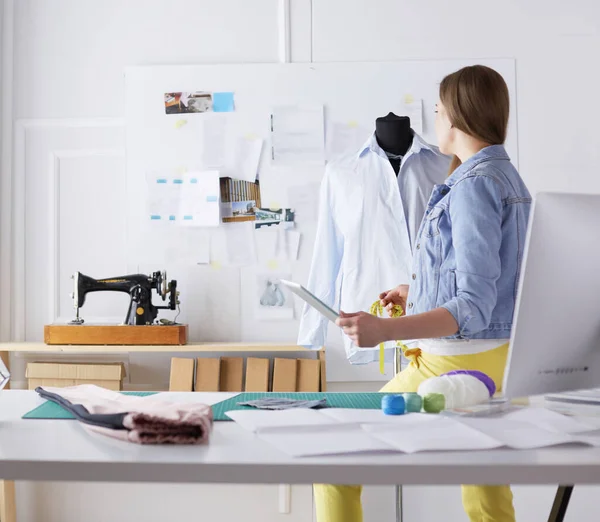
477, 102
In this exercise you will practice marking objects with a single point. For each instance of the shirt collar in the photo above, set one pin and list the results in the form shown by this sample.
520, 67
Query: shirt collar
371, 145
486, 154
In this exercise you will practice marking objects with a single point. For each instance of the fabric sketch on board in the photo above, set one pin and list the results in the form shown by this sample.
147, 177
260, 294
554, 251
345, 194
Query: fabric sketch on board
272, 294
273, 300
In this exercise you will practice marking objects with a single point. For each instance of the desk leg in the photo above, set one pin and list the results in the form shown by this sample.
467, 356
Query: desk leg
323, 372
8, 505
5, 356
561, 502
397, 370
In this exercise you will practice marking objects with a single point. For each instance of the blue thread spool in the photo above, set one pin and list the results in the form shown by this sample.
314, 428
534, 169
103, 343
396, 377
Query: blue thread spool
392, 404
414, 402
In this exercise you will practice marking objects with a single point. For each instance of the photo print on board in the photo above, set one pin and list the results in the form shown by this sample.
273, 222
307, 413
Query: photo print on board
188, 102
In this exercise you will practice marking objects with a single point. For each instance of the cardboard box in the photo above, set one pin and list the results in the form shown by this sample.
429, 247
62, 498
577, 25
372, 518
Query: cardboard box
182, 375
309, 375
257, 374
208, 374
232, 374
108, 376
284, 375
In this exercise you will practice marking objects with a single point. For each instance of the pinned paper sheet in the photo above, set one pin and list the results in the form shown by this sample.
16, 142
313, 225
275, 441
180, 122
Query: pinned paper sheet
273, 301
304, 199
344, 138
413, 108
188, 246
289, 244
274, 244
297, 135
214, 141
243, 163
199, 199
241, 250
266, 239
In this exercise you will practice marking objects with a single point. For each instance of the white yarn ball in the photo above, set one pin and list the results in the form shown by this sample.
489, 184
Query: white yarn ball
460, 390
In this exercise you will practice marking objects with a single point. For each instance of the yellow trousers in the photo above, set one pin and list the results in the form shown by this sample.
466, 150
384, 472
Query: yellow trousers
481, 503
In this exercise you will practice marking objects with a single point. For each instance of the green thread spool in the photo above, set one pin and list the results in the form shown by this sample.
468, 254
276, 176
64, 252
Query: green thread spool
413, 401
434, 402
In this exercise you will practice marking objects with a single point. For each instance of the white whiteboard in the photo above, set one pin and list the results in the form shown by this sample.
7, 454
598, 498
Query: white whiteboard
216, 301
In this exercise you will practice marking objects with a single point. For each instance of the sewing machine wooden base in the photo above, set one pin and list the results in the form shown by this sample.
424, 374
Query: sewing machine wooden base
176, 334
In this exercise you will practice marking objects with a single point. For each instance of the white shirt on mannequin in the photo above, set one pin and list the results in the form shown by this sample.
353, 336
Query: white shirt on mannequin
368, 220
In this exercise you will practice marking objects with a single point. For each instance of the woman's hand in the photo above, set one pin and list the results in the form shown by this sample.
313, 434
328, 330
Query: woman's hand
364, 329
396, 296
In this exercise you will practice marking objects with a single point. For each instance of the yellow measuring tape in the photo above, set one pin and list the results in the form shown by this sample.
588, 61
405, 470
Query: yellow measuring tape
377, 310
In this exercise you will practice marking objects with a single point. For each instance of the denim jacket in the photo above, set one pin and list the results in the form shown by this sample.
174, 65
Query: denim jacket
468, 255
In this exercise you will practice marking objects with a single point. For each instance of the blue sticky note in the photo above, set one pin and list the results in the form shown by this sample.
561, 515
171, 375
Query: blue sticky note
211, 199
223, 102
171, 218
161, 180
178, 181
154, 217
187, 218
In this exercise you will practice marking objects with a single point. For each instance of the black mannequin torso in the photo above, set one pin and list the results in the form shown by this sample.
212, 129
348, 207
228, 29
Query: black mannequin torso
394, 135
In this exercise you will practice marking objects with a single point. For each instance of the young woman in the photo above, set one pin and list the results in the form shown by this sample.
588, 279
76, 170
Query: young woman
467, 258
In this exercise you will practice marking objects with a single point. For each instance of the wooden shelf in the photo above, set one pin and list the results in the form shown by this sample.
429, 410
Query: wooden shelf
185, 348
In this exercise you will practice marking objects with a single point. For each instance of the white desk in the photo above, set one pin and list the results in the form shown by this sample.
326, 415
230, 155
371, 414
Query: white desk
61, 450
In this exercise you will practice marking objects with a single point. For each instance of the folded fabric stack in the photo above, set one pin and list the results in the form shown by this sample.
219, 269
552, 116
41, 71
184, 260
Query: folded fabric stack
143, 420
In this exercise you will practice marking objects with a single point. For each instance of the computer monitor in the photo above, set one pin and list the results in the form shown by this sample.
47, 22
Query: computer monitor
555, 342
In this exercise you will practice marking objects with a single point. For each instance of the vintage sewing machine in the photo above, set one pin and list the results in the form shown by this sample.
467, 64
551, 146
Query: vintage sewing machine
140, 325
139, 287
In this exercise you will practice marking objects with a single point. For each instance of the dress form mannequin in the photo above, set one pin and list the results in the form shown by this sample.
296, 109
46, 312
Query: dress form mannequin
394, 136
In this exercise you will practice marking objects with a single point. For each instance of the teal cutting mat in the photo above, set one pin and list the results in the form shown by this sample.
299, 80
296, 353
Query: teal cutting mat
367, 401
51, 410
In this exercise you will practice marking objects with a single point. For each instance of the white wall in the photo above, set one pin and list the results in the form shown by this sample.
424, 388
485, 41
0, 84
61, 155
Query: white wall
68, 57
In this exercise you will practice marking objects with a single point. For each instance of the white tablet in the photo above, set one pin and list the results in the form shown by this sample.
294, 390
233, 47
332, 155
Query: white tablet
313, 301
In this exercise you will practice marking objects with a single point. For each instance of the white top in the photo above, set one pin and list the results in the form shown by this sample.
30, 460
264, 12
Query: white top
368, 220
457, 346
63, 450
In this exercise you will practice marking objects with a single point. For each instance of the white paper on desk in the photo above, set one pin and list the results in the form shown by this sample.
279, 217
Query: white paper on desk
244, 161
416, 432
297, 135
199, 199
263, 421
413, 108
332, 439
241, 249
517, 434
304, 199
360, 416
550, 420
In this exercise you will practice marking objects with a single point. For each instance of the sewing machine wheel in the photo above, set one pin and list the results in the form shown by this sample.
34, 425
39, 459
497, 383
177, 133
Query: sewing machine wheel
163, 284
